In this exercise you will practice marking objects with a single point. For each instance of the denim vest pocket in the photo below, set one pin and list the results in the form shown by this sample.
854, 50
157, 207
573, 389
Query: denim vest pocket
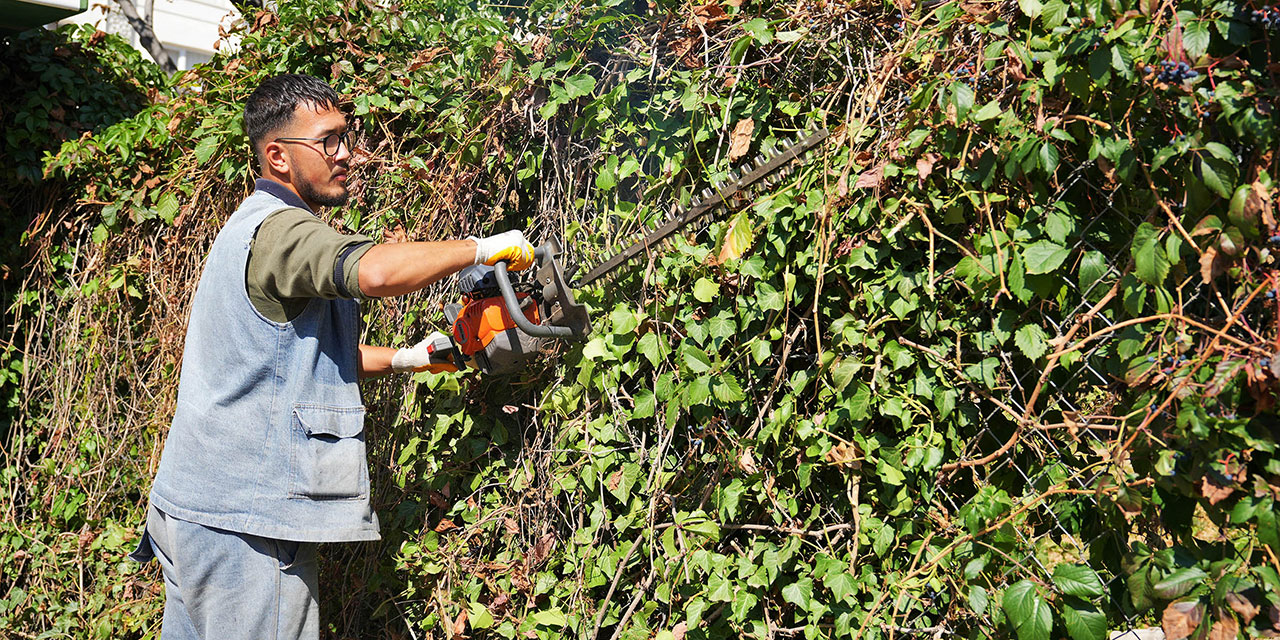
328, 453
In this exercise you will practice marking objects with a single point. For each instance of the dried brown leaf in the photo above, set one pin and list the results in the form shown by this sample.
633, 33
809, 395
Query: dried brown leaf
1209, 268
1013, 64
740, 139
1224, 628
924, 166
444, 525
542, 548
871, 178
1243, 607
263, 20
747, 462
1259, 204
708, 15
844, 455
459, 629
1213, 490
499, 604
424, 57
1180, 619
678, 632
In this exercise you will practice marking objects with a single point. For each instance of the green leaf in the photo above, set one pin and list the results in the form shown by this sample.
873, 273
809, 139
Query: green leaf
646, 404
988, 111
479, 617
1031, 8
984, 372
696, 359
761, 350
1195, 38
1212, 180
649, 347
889, 474
742, 604
1078, 580
1179, 582
1027, 612
705, 290
1044, 256
1093, 266
768, 298
1220, 151
1150, 263
606, 179
726, 389
1054, 14
799, 593
1031, 340
719, 589
843, 372
167, 207
1083, 621
859, 403
205, 149
549, 618
978, 599
579, 85
840, 583
722, 326
694, 610
595, 349
759, 30
962, 98
1048, 157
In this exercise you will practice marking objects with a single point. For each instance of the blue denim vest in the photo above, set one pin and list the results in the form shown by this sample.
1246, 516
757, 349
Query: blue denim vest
268, 433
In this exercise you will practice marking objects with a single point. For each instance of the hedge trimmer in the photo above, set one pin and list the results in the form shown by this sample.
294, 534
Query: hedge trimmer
499, 326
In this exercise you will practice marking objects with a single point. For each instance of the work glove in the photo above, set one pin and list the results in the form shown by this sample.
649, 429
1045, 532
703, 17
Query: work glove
431, 355
509, 245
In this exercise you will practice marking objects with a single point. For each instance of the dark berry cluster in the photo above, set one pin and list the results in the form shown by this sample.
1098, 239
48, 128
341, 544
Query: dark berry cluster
1268, 16
1174, 72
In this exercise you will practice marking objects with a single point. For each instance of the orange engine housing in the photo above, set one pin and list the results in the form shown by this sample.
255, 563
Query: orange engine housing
481, 320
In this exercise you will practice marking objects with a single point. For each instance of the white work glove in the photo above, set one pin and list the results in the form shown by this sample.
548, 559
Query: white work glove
509, 245
418, 357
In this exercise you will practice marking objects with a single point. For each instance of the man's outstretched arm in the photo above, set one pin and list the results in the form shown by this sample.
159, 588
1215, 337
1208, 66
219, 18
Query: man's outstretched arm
404, 267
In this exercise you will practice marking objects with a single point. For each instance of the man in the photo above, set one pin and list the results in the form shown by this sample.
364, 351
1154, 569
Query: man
266, 454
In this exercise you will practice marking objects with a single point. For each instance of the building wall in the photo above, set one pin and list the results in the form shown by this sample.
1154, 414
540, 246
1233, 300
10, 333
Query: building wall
187, 28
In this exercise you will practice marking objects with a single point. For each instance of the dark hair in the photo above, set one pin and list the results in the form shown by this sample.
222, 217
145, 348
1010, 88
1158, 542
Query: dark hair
271, 105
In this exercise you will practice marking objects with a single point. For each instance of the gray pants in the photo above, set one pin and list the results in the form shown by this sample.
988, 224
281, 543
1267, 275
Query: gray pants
225, 585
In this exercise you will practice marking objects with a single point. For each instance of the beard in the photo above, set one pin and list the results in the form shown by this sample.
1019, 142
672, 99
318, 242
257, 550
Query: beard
309, 193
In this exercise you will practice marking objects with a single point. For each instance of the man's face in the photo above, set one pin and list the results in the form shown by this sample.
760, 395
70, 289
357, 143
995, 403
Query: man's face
320, 179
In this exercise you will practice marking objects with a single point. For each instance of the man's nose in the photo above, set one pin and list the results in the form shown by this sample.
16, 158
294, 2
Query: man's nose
344, 152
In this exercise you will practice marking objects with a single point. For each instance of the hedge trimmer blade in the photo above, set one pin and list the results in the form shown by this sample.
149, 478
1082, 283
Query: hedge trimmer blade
709, 199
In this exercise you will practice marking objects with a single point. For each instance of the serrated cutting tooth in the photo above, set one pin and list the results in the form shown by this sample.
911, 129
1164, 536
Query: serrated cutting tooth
705, 193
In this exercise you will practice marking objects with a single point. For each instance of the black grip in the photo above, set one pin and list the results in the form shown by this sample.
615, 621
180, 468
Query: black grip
517, 314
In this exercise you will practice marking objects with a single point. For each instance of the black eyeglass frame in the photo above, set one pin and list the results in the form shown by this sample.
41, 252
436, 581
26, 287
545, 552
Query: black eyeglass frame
339, 139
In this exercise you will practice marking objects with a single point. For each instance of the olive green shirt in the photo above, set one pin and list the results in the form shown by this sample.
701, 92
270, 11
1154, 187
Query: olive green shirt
294, 257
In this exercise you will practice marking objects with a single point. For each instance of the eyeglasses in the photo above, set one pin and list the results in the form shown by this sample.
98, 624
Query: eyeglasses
332, 142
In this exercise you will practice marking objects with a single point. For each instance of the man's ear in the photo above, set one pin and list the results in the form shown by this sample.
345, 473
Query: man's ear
275, 158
